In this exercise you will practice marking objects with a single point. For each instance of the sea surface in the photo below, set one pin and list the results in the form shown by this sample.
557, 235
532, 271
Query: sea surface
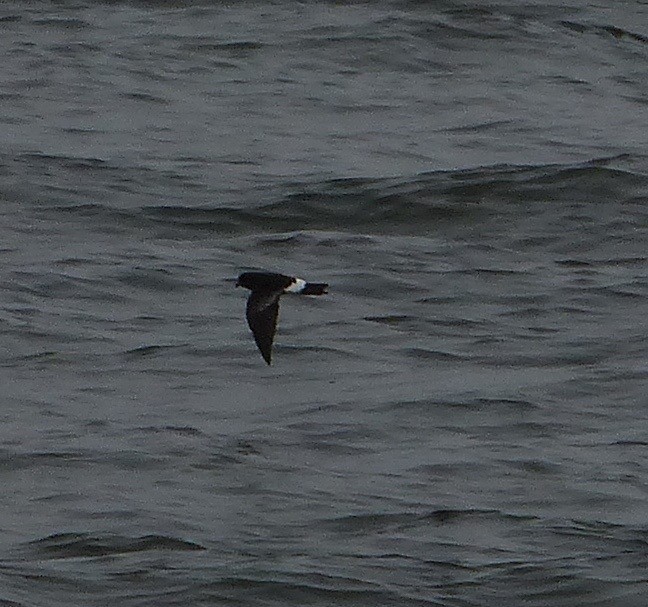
461, 422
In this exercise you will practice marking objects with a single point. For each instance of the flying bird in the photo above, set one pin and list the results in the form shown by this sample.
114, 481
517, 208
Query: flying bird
263, 303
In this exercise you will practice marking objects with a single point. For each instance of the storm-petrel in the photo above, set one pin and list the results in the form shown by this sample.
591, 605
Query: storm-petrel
263, 304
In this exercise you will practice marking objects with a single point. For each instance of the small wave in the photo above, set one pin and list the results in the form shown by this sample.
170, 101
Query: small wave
146, 98
146, 351
64, 23
188, 431
383, 522
606, 30
438, 355
74, 545
12, 461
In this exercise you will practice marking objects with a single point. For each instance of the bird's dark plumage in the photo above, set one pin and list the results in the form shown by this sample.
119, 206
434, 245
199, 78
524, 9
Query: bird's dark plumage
262, 307
262, 311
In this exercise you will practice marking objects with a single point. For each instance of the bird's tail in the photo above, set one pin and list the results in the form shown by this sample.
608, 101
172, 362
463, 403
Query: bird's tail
314, 288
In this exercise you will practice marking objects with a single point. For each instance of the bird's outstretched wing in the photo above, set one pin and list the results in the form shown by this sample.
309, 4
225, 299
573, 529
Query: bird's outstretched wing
261, 312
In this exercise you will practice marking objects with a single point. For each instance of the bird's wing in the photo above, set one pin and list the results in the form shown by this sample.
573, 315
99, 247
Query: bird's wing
261, 312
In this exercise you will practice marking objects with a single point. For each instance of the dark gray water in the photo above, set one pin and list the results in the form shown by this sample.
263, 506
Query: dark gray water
461, 422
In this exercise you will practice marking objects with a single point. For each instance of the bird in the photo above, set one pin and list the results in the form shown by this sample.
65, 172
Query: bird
263, 303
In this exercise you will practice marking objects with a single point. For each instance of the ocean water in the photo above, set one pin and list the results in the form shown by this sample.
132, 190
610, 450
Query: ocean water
461, 422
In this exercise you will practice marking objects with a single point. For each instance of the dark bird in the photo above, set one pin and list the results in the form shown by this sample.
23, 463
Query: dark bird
263, 304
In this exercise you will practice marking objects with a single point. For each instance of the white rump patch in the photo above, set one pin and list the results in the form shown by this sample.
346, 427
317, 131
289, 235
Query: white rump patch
296, 287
